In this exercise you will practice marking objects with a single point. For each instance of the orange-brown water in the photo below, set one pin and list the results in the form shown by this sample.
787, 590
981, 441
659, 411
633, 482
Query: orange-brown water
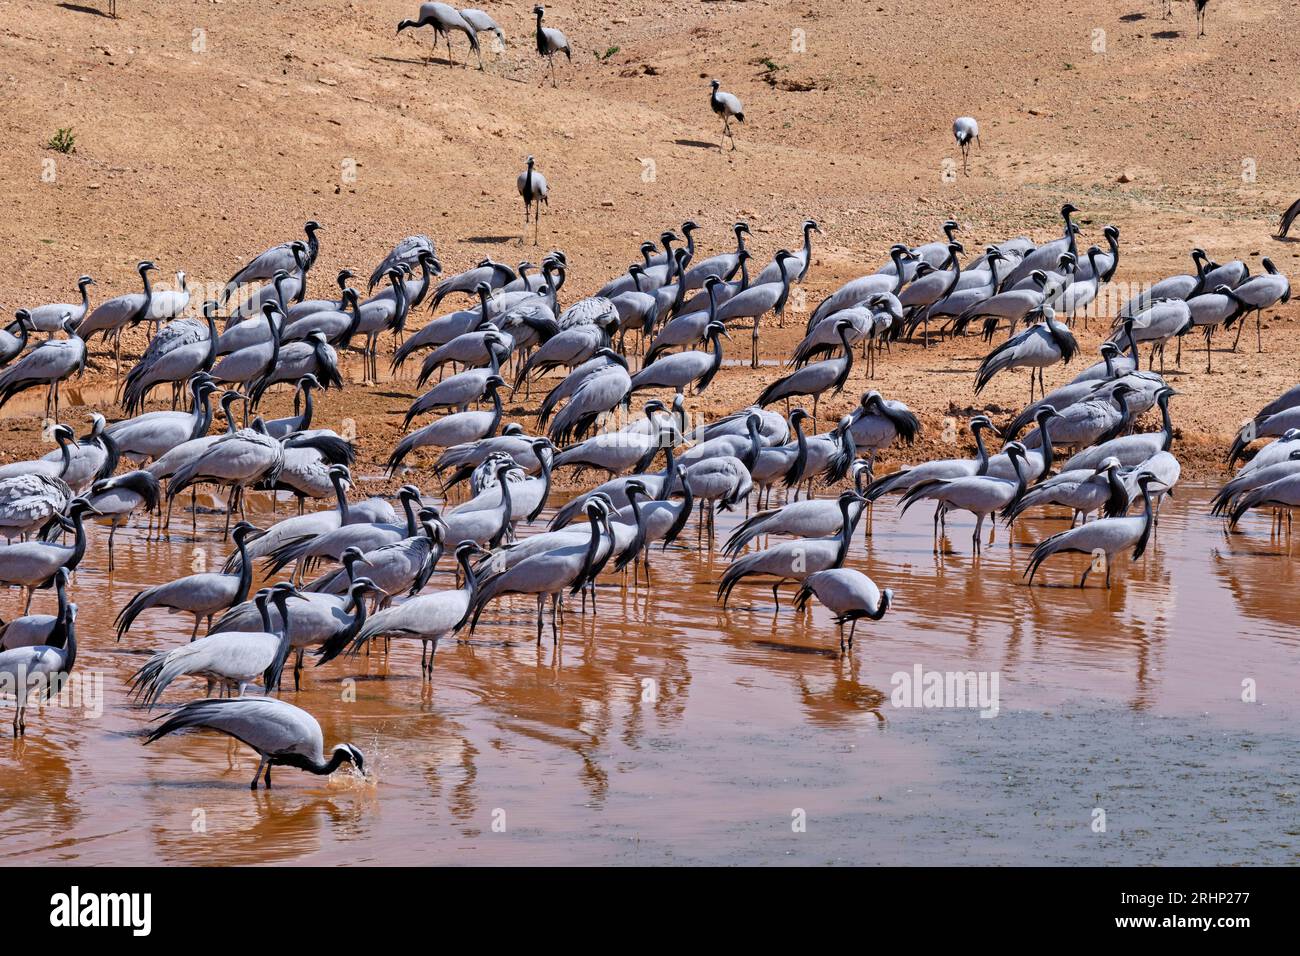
661, 730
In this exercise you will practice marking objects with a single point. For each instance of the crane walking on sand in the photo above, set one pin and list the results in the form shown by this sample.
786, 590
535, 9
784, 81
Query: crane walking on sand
965, 130
728, 106
532, 189
444, 18
551, 42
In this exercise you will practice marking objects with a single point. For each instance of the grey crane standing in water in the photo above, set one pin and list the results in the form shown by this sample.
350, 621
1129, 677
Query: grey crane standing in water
444, 18
282, 734
327, 621
1283, 493
551, 42
848, 594
118, 498
547, 574
43, 666
1103, 538
797, 560
808, 517
231, 660
202, 594
965, 130
657, 520
33, 630
981, 495
728, 106
238, 461
532, 189
426, 617
33, 564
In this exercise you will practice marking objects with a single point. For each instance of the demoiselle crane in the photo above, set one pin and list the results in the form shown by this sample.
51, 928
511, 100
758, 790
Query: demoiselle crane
42, 668
848, 594
965, 130
282, 734
550, 42
49, 318
1103, 539
33, 564
263, 267
33, 630
444, 18
1042, 345
532, 189
796, 560
981, 495
728, 106
46, 366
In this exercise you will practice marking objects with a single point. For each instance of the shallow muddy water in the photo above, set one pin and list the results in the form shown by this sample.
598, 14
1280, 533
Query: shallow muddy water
661, 730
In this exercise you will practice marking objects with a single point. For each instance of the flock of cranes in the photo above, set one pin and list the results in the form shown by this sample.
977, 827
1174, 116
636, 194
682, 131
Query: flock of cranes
445, 20
362, 570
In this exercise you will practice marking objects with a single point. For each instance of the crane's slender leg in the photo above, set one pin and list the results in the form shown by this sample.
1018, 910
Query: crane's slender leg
1259, 336
260, 765
541, 604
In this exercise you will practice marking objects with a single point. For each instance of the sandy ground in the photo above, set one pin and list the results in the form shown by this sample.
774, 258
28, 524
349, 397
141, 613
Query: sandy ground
206, 131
